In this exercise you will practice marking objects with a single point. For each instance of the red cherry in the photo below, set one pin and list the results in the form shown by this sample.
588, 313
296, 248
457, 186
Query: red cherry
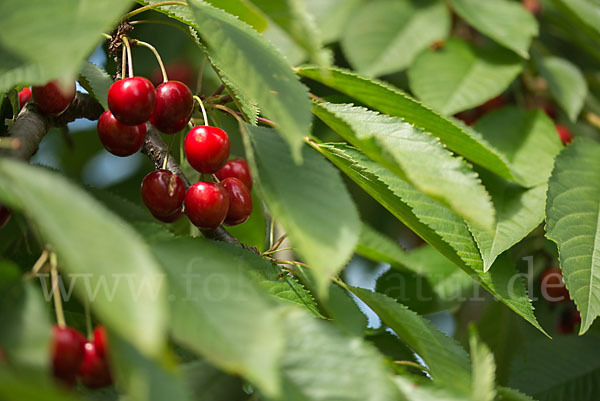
54, 97
101, 340
206, 204
553, 287
564, 133
5, 215
533, 6
180, 71
237, 168
24, 96
163, 193
207, 148
67, 353
132, 100
118, 138
174, 107
240, 201
493, 104
568, 320
94, 372
176, 215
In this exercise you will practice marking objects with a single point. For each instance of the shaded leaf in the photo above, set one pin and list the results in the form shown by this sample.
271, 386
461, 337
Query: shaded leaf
483, 369
96, 81
244, 10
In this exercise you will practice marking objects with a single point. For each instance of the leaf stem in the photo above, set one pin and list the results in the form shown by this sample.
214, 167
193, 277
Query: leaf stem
413, 365
129, 58
60, 316
152, 6
158, 58
204, 116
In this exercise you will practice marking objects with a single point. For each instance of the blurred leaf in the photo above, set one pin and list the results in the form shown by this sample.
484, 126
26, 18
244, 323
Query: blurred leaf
509, 394
244, 10
572, 212
583, 14
526, 138
435, 223
385, 36
64, 34
209, 383
310, 201
93, 242
460, 76
483, 369
332, 16
566, 83
506, 22
25, 334
30, 387
96, 81
566, 368
413, 155
386, 99
417, 391
447, 361
251, 66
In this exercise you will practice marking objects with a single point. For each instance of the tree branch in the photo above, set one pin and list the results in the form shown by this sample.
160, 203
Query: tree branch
31, 126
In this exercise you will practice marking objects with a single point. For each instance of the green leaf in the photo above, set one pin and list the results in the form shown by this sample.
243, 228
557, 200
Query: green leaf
218, 310
310, 201
566, 368
423, 391
391, 101
509, 394
519, 212
460, 76
483, 369
25, 336
322, 364
65, 32
252, 66
30, 387
414, 155
583, 14
244, 10
447, 361
96, 81
294, 17
506, 22
566, 83
526, 138
435, 223
209, 383
385, 36
121, 278
332, 16
573, 210
143, 379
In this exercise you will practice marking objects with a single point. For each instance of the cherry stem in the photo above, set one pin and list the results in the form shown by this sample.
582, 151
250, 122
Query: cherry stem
219, 90
277, 244
129, 58
158, 58
123, 62
164, 166
204, 116
60, 316
151, 6
267, 253
271, 234
593, 119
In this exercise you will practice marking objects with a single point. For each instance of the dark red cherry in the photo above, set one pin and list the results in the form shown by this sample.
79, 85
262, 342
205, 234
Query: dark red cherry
553, 287
207, 148
240, 201
565, 134
118, 138
176, 215
174, 106
101, 340
180, 71
163, 193
24, 96
568, 320
237, 168
5, 215
67, 353
54, 97
206, 204
132, 100
94, 371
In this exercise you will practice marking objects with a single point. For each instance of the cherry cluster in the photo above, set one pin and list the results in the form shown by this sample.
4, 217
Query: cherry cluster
74, 357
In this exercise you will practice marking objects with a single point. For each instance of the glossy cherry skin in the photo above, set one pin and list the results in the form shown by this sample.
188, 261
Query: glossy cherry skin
174, 107
94, 371
5, 215
118, 138
132, 100
67, 353
553, 287
176, 215
54, 97
207, 148
237, 168
181, 71
101, 340
240, 201
163, 193
24, 96
564, 134
206, 204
